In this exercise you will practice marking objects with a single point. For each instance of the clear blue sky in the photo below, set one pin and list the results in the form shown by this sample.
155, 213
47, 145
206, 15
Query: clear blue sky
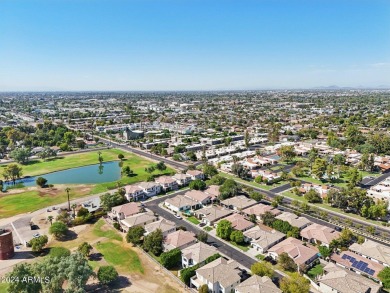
193, 44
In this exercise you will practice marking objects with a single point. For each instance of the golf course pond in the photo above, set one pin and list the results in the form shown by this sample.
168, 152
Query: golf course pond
92, 174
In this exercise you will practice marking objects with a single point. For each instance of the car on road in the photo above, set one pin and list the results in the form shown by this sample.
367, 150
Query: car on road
178, 217
36, 235
202, 224
54, 208
48, 210
214, 244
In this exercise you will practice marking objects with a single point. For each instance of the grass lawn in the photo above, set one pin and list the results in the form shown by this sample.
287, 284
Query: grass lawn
39, 167
315, 271
27, 201
17, 201
3, 286
260, 257
252, 183
244, 248
208, 228
193, 220
121, 257
109, 233
291, 195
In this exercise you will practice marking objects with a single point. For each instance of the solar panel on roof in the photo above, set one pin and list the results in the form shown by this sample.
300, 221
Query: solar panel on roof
365, 265
351, 259
367, 270
345, 256
371, 272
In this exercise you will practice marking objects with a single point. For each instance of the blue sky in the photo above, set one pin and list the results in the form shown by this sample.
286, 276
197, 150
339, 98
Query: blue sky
193, 44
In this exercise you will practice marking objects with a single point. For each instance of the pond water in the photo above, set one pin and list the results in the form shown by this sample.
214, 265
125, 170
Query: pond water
106, 172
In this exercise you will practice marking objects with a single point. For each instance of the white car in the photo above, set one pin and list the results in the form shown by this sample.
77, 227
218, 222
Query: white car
36, 235
178, 217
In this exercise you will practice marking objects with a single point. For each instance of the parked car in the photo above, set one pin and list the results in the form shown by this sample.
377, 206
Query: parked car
36, 235
178, 217
202, 224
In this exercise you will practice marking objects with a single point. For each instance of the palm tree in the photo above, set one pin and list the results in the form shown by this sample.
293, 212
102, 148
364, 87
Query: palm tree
50, 219
74, 206
67, 191
100, 157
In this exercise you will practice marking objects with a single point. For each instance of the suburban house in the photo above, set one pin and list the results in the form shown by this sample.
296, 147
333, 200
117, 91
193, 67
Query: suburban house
180, 203
301, 254
319, 234
373, 250
257, 284
262, 239
239, 222
198, 196
358, 263
220, 275
150, 188
211, 214
337, 279
260, 209
182, 179
321, 189
167, 183
179, 239
134, 193
294, 220
195, 174
164, 225
213, 191
141, 219
196, 254
238, 203
125, 210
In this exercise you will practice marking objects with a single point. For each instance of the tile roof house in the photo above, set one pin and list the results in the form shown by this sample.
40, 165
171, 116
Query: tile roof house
262, 239
167, 183
220, 275
181, 203
196, 254
260, 209
239, 222
141, 219
257, 284
358, 263
199, 196
134, 192
195, 174
213, 191
182, 179
337, 279
211, 214
319, 234
150, 188
238, 203
179, 239
164, 225
301, 254
373, 250
125, 210
294, 220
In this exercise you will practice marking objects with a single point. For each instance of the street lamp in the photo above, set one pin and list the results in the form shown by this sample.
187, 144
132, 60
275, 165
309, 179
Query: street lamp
67, 191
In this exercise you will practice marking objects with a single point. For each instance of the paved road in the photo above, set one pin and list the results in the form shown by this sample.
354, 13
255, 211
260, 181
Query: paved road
368, 184
177, 165
281, 188
271, 195
229, 251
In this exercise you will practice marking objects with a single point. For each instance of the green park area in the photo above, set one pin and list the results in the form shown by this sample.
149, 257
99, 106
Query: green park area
27, 199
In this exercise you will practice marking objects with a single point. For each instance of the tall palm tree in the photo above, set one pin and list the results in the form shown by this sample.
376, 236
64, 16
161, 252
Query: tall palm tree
50, 219
67, 191
74, 206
